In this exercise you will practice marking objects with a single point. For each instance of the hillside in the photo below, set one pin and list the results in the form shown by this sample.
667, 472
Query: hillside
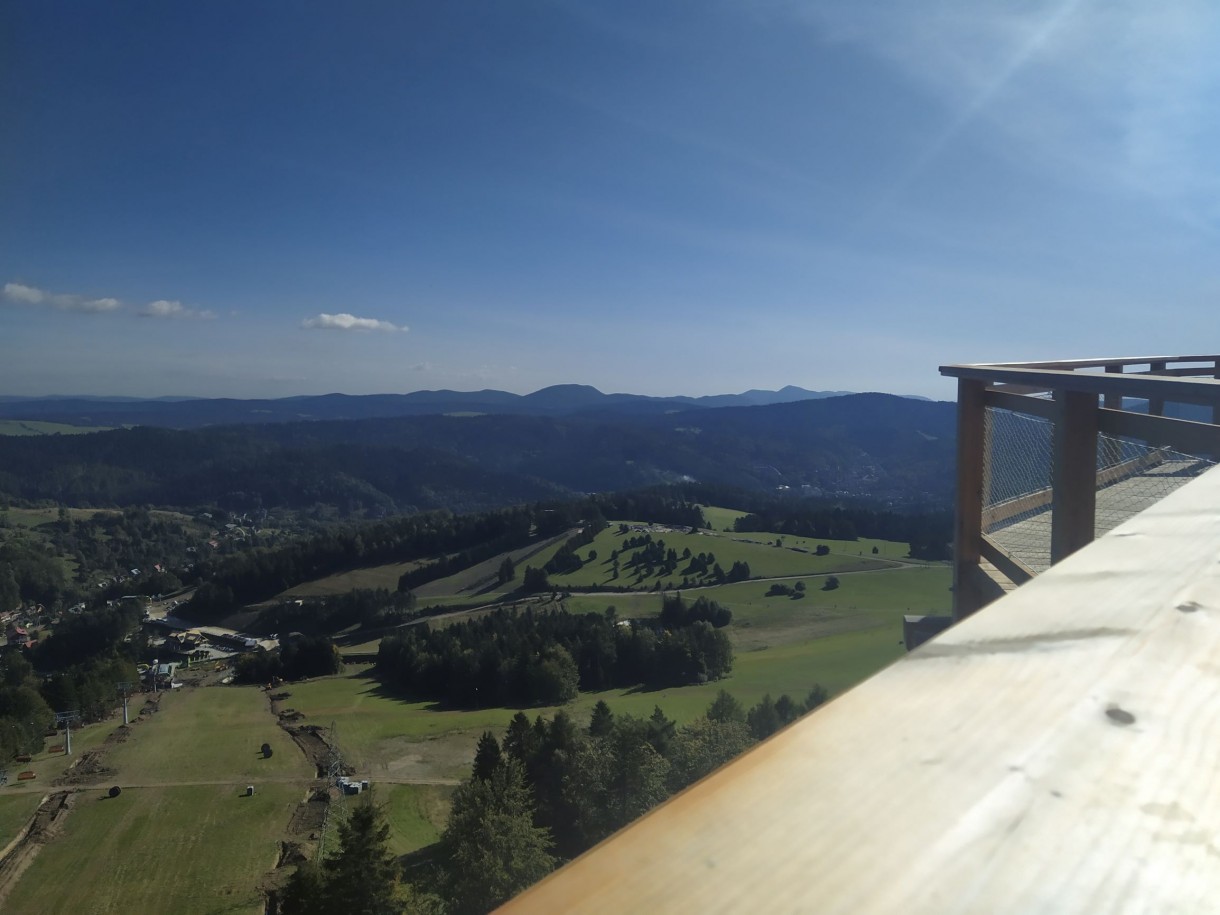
557, 400
875, 445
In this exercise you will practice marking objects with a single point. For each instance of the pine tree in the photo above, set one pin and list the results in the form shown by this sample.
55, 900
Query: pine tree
487, 757
360, 878
602, 721
492, 848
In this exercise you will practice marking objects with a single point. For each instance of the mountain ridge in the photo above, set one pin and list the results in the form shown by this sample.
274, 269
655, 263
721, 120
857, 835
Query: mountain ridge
554, 400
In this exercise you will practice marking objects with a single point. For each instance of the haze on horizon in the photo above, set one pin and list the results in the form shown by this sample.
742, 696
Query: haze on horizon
669, 199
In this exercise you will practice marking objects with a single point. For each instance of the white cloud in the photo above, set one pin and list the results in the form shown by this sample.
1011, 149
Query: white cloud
31, 295
163, 308
350, 322
27, 295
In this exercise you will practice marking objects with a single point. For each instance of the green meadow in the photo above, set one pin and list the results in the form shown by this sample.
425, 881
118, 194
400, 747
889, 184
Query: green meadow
190, 850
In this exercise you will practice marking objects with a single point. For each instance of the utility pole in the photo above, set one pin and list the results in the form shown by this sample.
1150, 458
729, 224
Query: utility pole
125, 688
66, 718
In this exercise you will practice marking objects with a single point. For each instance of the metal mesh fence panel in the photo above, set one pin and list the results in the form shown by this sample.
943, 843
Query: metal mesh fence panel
1017, 515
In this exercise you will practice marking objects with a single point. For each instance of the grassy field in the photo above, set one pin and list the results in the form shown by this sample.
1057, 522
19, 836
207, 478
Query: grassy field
387, 735
180, 838
49, 764
835, 638
371, 578
208, 733
720, 519
197, 850
15, 812
416, 814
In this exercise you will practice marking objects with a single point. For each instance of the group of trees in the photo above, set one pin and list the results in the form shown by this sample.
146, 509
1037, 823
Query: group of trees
549, 789
365, 607
297, 657
544, 792
29, 573
528, 658
114, 542
24, 713
78, 668
566, 559
359, 878
930, 534
676, 612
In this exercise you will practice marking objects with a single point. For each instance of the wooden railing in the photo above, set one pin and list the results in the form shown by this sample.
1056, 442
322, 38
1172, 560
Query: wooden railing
1122, 397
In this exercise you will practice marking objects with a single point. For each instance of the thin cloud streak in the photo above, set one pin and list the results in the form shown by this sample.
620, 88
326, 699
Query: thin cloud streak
31, 295
163, 308
344, 321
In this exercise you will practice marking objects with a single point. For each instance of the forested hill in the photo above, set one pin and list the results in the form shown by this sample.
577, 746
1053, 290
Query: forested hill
864, 444
193, 413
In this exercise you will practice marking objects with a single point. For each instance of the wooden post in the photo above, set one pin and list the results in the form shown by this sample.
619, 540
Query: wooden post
1114, 401
1073, 473
1216, 406
1156, 405
967, 534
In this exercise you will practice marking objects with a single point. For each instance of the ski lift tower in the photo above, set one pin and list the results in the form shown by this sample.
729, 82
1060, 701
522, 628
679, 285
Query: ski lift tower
125, 689
66, 719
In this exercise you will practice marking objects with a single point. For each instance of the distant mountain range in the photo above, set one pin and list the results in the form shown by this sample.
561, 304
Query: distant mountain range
577, 440
193, 413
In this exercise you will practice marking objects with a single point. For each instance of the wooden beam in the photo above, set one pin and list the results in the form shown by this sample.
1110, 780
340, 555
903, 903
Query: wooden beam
1114, 400
1179, 434
971, 454
1000, 512
1013, 568
1156, 403
1216, 405
1072, 364
1177, 390
1054, 753
1073, 473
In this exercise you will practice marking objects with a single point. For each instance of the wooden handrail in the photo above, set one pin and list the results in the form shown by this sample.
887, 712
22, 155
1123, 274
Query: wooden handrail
1100, 362
1141, 386
1077, 418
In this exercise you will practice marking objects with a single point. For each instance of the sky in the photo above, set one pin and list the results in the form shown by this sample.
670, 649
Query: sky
268, 199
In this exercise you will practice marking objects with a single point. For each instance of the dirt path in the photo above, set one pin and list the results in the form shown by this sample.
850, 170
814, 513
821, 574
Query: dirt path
43, 827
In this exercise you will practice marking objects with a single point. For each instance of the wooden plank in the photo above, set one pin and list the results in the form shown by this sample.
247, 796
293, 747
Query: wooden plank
1002, 511
1070, 364
1179, 434
971, 445
1177, 390
1009, 565
1073, 473
1054, 753
1202, 371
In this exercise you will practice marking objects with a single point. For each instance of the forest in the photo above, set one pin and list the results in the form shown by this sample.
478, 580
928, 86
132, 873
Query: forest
522, 658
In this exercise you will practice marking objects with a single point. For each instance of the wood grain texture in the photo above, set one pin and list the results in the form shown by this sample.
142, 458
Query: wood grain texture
1056, 752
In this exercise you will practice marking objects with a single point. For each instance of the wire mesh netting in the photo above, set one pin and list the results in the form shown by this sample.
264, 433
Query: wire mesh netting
1131, 476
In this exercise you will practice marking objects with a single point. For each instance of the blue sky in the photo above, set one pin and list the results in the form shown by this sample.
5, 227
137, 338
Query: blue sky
232, 199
